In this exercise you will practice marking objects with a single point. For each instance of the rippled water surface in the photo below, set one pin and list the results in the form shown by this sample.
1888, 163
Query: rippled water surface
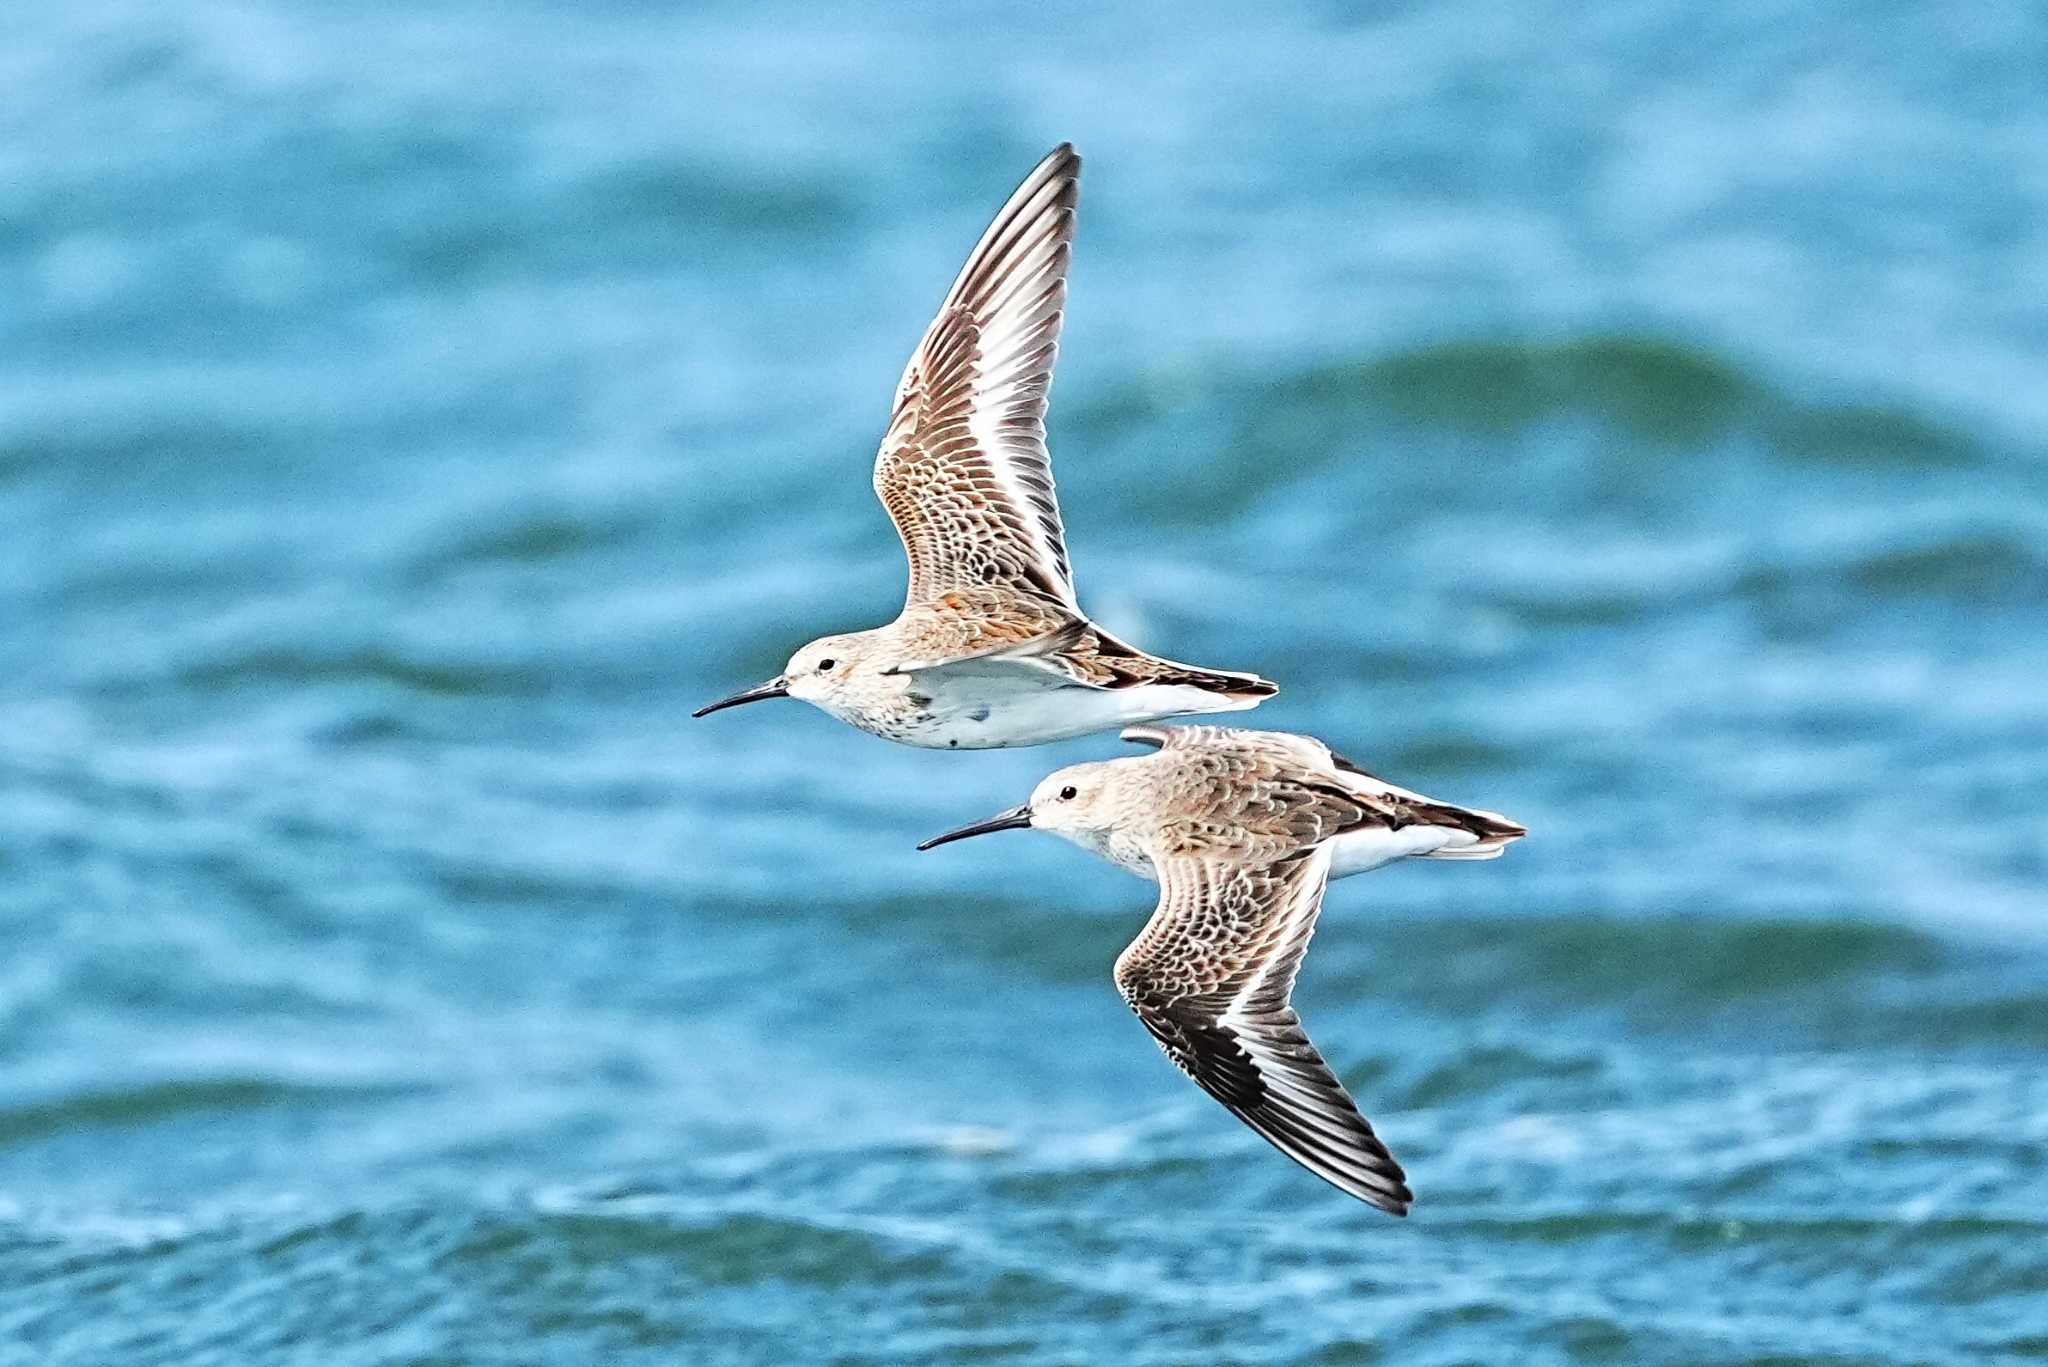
1630, 418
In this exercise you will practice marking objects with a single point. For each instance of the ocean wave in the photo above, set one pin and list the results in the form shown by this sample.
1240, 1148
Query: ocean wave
736, 202
735, 1248
151, 1103
535, 536
339, 665
1682, 965
1655, 389
1076, 1272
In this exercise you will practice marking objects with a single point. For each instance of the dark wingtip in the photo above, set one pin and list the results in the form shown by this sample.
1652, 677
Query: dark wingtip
1492, 825
1236, 687
1070, 170
1397, 1201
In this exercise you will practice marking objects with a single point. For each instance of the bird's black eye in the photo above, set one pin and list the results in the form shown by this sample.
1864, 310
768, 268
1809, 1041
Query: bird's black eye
824, 665
1067, 793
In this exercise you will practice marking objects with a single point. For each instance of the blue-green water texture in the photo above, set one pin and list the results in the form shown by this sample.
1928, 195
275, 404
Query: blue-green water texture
1632, 418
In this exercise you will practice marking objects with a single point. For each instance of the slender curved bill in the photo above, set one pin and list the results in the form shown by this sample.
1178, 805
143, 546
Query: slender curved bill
777, 687
1016, 818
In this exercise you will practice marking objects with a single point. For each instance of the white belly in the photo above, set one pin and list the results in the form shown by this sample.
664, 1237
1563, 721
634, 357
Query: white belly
1360, 851
1008, 704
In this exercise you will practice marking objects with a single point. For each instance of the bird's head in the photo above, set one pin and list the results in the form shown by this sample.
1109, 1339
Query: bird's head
1089, 804
838, 674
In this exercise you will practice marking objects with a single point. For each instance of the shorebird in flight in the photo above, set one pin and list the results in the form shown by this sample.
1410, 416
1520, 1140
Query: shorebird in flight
991, 648
1243, 830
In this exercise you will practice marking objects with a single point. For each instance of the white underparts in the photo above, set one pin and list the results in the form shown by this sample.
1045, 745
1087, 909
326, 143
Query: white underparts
1362, 850
1002, 703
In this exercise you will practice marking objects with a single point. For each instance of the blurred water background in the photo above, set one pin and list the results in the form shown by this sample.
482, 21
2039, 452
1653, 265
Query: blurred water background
1631, 418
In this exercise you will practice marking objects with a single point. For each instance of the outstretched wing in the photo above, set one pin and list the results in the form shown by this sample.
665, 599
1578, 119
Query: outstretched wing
1211, 976
963, 470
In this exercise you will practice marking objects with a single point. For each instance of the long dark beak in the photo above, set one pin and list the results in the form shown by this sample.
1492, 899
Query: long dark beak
777, 687
1017, 818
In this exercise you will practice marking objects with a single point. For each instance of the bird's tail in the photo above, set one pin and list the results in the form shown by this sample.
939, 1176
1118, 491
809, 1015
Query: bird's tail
1474, 834
1133, 667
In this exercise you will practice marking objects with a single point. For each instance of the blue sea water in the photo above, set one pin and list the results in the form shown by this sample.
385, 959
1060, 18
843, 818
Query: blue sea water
1632, 418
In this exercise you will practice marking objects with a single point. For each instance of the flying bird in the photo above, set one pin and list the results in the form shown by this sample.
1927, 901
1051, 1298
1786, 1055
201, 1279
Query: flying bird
992, 648
1243, 830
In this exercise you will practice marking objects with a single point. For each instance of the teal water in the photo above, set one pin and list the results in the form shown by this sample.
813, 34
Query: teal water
1631, 419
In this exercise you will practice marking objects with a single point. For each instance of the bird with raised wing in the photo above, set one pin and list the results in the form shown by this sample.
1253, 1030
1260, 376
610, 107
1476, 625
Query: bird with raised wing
1243, 830
992, 648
